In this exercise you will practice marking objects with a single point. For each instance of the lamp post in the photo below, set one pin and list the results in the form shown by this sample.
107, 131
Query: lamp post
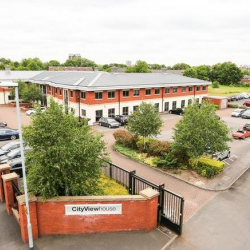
15, 85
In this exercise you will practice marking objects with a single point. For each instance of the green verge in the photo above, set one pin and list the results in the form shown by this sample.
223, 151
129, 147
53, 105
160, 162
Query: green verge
227, 90
129, 152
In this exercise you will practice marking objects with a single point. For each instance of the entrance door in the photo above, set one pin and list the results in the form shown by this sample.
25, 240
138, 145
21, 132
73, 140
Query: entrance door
98, 115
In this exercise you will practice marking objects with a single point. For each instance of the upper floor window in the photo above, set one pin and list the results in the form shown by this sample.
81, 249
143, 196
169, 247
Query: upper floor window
198, 88
148, 91
83, 95
71, 93
56, 90
167, 90
175, 90
204, 87
190, 89
157, 91
111, 94
98, 95
136, 92
183, 89
60, 92
125, 93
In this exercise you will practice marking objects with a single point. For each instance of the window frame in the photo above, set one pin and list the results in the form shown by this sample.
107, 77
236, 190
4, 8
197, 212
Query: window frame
146, 90
175, 88
83, 95
111, 92
125, 91
157, 89
126, 113
183, 89
135, 95
99, 93
167, 90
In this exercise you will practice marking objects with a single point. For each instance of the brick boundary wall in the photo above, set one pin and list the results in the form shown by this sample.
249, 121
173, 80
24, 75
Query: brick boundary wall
139, 212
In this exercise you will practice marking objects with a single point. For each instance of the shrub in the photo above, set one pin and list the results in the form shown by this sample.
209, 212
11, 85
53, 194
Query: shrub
167, 160
215, 84
217, 166
124, 137
140, 144
192, 163
141, 157
152, 161
158, 148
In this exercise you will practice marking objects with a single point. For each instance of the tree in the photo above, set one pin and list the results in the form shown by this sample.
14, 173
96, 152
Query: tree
190, 72
64, 158
226, 73
31, 93
200, 131
181, 66
21, 86
140, 67
145, 121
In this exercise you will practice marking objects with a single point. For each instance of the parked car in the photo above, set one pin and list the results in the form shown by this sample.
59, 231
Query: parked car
33, 111
16, 166
246, 114
123, 119
109, 122
247, 104
3, 124
15, 153
5, 149
8, 134
241, 134
241, 96
233, 98
237, 112
219, 156
246, 95
178, 111
247, 126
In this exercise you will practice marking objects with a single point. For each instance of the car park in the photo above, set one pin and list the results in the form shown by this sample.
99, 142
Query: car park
122, 119
241, 134
16, 166
233, 98
246, 114
5, 149
237, 112
33, 111
246, 104
247, 126
8, 134
3, 124
109, 122
178, 111
15, 153
219, 156
246, 95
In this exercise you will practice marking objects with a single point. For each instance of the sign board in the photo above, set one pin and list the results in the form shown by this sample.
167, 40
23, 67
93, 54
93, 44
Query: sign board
91, 209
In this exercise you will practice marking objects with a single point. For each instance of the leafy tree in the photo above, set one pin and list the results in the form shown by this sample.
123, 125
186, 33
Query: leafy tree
190, 72
80, 62
140, 67
64, 158
226, 73
31, 93
181, 66
200, 130
145, 121
21, 86
203, 72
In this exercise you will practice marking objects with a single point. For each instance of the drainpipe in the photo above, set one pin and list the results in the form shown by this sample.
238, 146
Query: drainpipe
79, 102
119, 101
162, 99
4, 96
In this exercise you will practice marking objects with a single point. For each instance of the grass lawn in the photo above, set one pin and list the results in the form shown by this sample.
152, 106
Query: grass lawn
227, 90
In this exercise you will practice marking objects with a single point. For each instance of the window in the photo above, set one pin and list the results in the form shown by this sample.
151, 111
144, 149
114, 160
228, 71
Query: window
166, 107
111, 94
157, 106
174, 105
183, 89
167, 90
157, 91
198, 88
136, 92
182, 104
135, 108
71, 93
190, 89
83, 112
125, 93
98, 95
83, 95
189, 101
174, 90
60, 92
204, 87
148, 91
98, 115
111, 112
125, 110
56, 90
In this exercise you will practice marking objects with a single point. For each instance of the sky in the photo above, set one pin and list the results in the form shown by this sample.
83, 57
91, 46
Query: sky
195, 32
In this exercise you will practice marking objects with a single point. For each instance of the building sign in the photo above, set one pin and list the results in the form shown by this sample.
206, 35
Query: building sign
93, 209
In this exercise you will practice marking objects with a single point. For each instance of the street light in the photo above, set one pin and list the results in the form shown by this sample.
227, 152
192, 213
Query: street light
15, 85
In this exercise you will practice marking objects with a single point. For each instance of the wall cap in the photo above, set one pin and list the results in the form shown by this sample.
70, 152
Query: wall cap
149, 193
21, 199
4, 167
9, 177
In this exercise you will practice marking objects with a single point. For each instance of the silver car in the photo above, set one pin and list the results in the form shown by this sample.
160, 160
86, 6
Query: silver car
237, 112
219, 156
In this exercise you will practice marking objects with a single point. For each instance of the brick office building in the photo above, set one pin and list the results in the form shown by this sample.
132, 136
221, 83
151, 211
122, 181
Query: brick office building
96, 94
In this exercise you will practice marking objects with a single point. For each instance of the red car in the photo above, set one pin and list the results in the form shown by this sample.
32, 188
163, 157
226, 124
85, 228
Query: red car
247, 104
241, 134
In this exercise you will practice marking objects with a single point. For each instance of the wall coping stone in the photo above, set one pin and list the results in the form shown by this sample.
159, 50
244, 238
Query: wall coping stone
149, 193
9, 177
21, 199
4, 167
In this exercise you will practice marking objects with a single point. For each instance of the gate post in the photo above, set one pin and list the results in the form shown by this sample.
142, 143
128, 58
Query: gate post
181, 215
4, 169
131, 182
160, 202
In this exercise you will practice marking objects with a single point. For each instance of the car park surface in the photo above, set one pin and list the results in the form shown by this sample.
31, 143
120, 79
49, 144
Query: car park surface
6, 148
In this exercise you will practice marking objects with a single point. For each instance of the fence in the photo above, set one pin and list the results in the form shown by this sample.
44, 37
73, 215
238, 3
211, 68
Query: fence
170, 205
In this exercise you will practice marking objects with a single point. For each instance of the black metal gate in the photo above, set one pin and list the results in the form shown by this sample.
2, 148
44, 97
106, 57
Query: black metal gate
170, 205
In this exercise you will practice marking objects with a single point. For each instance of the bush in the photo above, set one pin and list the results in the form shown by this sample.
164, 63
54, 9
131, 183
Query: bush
158, 148
124, 137
152, 161
140, 144
215, 84
232, 105
167, 160
192, 163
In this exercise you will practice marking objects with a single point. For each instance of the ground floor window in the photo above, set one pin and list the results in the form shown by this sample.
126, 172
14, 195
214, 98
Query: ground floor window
166, 107
174, 105
182, 104
111, 112
135, 108
98, 115
83, 112
157, 106
189, 101
125, 110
